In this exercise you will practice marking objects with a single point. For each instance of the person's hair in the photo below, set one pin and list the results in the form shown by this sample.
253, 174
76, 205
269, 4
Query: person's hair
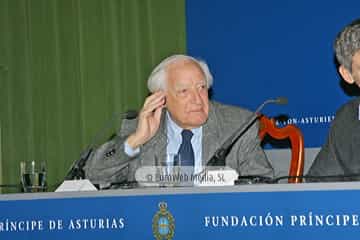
158, 77
347, 43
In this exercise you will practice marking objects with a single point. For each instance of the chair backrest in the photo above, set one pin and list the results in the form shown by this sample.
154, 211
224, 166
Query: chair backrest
291, 132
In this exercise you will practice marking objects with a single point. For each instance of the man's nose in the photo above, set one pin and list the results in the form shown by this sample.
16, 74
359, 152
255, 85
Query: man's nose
196, 97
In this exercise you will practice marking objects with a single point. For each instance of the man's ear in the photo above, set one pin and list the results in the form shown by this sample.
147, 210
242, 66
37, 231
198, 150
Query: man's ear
346, 75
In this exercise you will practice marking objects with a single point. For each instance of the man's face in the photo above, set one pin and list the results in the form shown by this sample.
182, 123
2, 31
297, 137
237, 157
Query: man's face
355, 68
187, 94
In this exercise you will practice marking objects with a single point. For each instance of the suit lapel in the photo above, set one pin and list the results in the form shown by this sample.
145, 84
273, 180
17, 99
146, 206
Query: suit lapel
211, 136
156, 147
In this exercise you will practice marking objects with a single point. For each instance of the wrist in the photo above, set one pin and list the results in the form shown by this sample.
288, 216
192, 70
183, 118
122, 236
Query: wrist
133, 141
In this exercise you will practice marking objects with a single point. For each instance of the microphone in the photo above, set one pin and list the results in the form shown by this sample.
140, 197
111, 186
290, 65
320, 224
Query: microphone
218, 159
76, 170
279, 100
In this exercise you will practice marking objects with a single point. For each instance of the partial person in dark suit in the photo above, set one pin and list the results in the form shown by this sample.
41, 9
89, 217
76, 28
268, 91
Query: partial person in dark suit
341, 153
179, 101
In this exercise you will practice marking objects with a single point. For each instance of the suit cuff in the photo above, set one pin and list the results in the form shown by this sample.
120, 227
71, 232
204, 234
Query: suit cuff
130, 151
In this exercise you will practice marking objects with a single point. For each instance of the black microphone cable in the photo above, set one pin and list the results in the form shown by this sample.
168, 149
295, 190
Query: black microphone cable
322, 178
251, 179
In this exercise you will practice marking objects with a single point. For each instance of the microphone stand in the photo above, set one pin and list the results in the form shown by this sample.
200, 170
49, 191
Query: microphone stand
77, 169
218, 159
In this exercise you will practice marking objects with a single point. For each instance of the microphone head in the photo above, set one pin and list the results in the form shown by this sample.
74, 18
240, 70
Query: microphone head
282, 100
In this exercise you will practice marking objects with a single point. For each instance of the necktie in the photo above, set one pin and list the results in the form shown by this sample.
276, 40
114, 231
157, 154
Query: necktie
186, 151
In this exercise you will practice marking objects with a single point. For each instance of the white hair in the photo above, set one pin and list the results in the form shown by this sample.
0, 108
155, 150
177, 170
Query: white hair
157, 78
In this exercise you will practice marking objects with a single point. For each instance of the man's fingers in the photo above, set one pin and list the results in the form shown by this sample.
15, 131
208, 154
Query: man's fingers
154, 104
154, 97
157, 114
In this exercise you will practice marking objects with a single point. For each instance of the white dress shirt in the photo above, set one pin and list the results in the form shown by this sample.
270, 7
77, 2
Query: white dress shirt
174, 140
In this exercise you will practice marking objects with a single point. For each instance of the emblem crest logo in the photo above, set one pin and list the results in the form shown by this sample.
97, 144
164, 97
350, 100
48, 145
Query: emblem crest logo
163, 223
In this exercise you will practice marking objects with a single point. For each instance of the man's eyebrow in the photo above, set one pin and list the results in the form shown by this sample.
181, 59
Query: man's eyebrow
180, 85
201, 82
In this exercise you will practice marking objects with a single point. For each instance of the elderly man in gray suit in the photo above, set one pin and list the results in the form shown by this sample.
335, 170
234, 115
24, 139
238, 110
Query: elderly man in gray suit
178, 110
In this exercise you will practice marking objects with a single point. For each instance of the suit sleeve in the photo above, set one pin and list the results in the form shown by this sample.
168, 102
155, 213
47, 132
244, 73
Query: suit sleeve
109, 163
251, 159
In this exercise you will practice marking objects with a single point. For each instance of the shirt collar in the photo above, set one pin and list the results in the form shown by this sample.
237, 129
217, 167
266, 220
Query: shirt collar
175, 130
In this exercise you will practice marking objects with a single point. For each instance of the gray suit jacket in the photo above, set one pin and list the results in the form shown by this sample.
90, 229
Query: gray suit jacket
109, 163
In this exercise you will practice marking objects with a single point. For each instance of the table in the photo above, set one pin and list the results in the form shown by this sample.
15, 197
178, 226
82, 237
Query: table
256, 211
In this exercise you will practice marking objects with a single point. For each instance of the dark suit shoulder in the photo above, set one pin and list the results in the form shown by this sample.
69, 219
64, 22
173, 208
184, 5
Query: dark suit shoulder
347, 114
339, 155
